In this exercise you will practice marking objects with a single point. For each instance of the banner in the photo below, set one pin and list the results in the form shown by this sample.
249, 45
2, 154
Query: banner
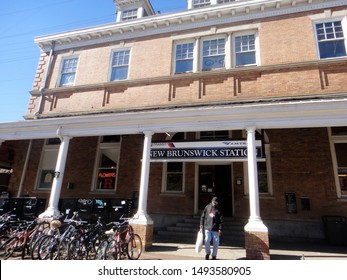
204, 150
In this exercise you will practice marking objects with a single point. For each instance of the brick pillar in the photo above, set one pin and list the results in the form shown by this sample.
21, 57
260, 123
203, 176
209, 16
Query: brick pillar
257, 241
146, 234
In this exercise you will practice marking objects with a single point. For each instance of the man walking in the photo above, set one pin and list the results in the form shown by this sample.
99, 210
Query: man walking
211, 222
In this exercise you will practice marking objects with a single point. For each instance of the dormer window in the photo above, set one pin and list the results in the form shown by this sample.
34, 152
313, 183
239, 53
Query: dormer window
129, 14
201, 3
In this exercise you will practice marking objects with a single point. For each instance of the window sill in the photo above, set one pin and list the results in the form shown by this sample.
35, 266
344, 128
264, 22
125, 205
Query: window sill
172, 194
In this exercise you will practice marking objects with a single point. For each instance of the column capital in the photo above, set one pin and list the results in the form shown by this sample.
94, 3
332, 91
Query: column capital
148, 133
251, 128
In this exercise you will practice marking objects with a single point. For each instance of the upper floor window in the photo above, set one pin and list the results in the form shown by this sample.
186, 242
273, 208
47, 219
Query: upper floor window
245, 50
129, 14
331, 39
201, 3
225, 1
68, 71
213, 54
184, 57
120, 65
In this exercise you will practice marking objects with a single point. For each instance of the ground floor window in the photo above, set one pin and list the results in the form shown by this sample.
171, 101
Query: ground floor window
48, 162
107, 163
339, 155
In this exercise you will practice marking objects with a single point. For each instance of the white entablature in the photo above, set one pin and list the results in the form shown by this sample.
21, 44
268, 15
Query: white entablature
214, 15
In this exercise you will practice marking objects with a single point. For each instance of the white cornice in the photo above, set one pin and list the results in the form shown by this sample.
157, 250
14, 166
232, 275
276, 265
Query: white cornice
234, 12
327, 112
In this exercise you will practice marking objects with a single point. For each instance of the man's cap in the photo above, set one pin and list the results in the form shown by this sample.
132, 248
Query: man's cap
215, 199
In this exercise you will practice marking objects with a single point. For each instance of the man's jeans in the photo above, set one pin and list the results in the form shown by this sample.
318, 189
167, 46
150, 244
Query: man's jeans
215, 239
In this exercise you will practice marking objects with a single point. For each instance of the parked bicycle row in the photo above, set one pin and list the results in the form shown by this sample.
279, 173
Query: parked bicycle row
62, 238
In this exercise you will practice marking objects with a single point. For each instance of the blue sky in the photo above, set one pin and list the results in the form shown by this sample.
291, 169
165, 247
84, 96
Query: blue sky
23, 20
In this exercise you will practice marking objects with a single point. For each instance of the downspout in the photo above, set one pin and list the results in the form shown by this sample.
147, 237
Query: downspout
42, 89
21, 184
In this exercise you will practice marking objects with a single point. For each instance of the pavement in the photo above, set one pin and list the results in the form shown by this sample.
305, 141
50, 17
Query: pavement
278, 251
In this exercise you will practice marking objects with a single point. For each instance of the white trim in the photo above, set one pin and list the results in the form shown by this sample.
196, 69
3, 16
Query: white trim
63, 58
168, 23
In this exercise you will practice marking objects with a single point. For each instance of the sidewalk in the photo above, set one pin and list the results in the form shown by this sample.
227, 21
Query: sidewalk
279, 251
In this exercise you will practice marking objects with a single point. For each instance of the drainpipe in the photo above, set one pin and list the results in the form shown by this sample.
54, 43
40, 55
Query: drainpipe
21, 184
42, 89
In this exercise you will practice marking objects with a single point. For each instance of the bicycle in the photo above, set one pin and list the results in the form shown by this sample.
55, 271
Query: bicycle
123, 241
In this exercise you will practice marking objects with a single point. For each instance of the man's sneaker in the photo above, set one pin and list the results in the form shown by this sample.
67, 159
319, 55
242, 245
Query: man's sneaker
213, 258
207, 257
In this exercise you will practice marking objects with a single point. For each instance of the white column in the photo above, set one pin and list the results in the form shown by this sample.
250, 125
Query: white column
255, 222
196, 55
58, 178
141, 216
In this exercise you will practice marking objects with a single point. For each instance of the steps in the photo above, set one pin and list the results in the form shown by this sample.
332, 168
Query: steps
185, 232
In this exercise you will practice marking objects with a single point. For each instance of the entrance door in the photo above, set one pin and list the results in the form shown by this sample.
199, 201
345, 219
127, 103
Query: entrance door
215, 180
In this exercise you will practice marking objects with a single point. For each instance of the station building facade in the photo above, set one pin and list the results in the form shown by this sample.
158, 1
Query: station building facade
245, 100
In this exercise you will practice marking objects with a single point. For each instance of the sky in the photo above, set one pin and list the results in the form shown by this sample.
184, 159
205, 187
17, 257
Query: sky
23, 20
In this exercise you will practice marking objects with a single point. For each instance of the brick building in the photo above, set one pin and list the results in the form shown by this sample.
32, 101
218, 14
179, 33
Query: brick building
246, 100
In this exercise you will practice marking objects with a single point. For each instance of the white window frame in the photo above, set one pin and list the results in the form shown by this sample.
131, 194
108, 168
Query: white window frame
201, 3
344, 29
193, 58
256, 50
130, 14
105, 146
46, 149
61, 74
205, 39
336, 139
118, 66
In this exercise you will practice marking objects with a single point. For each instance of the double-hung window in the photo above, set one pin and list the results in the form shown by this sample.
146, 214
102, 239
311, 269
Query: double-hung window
120, 65
68, 71
213, 54
245, 50
184, 57
331, 39
201, 3
129, 14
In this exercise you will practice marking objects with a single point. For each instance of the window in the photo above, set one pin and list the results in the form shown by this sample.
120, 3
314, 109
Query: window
120, 65
201, 3
129, 14
213, 54
214, 135
68, 71
225, 1
48, 164
339, 155
331, 39
173, 172
184, 57
107, 163
245, 50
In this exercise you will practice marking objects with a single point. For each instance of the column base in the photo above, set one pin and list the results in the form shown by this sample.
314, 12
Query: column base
49, 213
143, 226
257, 241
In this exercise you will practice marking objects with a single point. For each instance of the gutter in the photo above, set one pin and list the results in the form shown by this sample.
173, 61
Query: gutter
42, 89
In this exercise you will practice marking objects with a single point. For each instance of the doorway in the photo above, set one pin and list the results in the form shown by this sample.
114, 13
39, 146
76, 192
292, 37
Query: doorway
215, 180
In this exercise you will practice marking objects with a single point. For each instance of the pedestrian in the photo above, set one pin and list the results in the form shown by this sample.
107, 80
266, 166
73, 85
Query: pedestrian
211, 223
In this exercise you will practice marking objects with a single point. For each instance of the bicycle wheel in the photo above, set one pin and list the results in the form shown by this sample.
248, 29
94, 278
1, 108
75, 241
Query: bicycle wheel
134, 247
48, 248
34, 252
9, 247
77, 250
100, 252
63, 250
112, 251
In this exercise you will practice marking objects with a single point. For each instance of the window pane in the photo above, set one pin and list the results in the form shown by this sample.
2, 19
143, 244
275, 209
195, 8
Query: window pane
341, 156
119, 73
68, 71
174, 176
213, 62
262, 178
245, 58
107, 169
332, 49
184, 66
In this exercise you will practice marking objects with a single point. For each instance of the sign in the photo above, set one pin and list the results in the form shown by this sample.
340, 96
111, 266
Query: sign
204, 150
